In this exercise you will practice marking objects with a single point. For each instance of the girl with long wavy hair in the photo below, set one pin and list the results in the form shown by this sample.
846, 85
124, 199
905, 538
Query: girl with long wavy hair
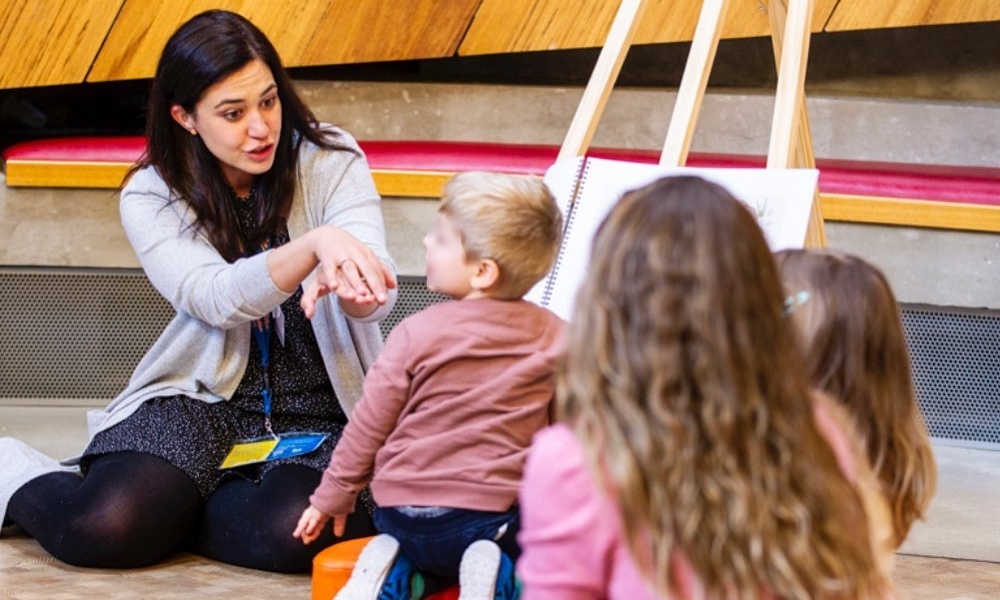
851, 336
691, 459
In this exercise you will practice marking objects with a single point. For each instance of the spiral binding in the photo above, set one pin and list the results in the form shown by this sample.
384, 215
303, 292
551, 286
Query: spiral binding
579, 184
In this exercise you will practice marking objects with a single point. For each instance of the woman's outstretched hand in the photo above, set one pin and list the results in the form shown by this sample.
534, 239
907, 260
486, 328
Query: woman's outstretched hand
348, 269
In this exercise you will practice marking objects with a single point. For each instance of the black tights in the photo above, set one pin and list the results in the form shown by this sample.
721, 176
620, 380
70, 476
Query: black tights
133, 509
251, 525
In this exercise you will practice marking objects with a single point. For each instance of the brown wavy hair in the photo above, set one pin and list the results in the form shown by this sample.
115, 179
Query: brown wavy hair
852, 339
681, 380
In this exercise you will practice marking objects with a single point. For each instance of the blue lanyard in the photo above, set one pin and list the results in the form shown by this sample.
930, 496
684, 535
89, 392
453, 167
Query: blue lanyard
262, 334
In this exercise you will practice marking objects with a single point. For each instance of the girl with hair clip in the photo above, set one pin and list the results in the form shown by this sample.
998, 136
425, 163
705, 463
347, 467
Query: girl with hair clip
691, 459
852, 339
231, 417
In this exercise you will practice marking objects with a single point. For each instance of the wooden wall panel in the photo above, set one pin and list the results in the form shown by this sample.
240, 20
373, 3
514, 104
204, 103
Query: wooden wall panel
51, 42
143, 27
672, 21
313, 32
356, 31
874, 14
531, 25
528, 25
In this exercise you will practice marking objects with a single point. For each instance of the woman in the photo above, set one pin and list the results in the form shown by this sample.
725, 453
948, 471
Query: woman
691, 459
239, 199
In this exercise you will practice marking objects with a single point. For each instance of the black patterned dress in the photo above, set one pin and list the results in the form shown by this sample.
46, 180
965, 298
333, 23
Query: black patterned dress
195, 436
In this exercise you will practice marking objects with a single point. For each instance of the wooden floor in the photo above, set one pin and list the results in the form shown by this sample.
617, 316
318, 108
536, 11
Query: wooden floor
28, 573
925, 578
962, 523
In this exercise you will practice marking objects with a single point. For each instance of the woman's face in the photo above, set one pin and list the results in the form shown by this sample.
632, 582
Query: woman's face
239, 121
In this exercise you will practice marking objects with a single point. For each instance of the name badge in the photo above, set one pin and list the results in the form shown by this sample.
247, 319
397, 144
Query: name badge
265, 449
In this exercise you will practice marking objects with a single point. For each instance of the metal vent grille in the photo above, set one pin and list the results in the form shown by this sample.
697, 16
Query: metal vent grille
413, 297
955, 355
78, 333
74, 333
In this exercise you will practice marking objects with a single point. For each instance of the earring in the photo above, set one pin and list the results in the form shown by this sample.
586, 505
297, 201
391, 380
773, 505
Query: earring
193, 131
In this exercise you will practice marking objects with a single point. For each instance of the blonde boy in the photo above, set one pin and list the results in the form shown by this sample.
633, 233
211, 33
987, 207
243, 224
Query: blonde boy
450, 405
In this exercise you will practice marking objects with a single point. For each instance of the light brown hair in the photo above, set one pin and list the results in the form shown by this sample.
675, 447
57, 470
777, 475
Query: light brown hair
851, 336
512, 219
682, 382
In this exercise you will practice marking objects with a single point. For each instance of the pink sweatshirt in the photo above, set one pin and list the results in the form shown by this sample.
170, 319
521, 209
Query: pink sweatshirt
572, 543
449, 409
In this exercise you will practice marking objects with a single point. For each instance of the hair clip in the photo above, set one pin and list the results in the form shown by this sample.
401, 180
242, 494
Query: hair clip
795, 300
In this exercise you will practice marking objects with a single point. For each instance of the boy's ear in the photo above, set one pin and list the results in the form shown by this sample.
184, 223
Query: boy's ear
486, 276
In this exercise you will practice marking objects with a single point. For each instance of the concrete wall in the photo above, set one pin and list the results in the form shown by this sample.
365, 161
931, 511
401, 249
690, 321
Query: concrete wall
944, 268
947, 268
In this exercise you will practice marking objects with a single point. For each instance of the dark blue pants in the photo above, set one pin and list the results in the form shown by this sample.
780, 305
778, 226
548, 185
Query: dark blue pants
435, 543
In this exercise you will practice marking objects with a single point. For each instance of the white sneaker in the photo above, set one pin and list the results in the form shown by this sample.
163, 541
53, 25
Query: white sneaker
19, 464
477, 575
371, 569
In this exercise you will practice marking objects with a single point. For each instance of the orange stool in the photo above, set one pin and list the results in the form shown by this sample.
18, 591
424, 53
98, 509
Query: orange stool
332, 568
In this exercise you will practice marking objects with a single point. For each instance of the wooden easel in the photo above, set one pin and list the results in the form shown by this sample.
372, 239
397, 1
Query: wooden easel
791, 139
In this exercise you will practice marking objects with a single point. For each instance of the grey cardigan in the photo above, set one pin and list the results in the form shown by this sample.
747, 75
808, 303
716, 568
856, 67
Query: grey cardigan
203, 351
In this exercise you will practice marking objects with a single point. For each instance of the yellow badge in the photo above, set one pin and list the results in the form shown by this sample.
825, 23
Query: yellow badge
246, 453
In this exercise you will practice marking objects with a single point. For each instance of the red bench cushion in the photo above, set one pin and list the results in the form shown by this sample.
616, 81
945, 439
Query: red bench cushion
971, 185
117, 149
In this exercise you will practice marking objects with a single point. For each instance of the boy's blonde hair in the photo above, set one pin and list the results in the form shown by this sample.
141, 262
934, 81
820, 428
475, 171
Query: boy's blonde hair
511, 219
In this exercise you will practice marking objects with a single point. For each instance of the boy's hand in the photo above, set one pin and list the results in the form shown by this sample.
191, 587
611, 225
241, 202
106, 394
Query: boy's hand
311, 524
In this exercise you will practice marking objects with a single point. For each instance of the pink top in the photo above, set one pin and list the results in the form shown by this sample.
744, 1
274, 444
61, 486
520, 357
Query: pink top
572, 543
449, 409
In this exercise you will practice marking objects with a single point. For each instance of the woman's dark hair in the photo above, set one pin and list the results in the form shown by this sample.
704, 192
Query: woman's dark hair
203, 51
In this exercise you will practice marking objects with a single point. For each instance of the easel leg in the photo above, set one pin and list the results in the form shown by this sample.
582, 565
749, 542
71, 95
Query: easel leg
791, 137
602, 79
691, 92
